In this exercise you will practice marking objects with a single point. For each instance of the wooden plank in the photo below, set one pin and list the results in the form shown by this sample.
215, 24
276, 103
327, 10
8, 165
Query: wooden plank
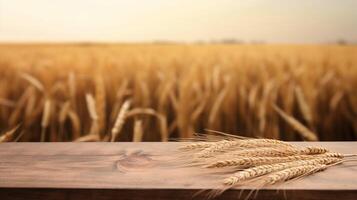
139, 170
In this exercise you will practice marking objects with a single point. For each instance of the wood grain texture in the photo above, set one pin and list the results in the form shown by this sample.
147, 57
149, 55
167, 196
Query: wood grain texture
141, 171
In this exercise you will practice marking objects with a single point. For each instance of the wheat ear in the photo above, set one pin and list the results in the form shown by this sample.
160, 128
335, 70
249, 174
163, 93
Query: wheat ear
255, 161
290, 173
32, 80
276, 152
222, 146
197, 145
264, 151
119, 122
266, 169
93, 114
313, 150
299, 127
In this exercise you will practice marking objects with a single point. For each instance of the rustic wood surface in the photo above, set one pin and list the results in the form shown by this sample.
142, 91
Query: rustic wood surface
140, 171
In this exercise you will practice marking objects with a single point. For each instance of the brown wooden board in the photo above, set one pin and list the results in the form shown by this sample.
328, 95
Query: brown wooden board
139, 171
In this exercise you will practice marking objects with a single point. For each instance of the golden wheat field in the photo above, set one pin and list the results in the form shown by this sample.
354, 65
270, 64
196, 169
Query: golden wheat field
153, 92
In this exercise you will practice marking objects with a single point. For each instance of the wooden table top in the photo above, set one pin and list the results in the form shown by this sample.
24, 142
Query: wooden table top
138, 171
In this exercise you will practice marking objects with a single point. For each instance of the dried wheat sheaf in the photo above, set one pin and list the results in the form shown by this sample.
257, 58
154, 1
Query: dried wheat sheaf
256, 162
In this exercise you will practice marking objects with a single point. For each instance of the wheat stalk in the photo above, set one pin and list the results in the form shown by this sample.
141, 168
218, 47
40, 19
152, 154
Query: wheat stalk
305, 132
64, 112
215, 108
138, 131
91, 107
76, 124
159, 116
62, 116
7, 136
71, 81
303, 105
100, 99
15, 115
88, 138
45, 119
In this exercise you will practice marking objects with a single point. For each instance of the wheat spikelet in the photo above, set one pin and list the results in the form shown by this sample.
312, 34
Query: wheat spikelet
332, 155
266, 169
119, 122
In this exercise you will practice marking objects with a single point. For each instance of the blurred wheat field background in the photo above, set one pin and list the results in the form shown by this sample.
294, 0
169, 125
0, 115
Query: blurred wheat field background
152, 92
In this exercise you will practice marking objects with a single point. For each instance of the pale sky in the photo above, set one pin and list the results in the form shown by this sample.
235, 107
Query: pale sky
279, 21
